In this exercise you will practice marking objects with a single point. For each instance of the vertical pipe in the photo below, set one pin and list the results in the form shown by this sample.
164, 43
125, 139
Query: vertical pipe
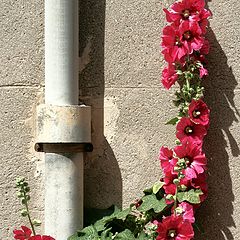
61, 52
63, 172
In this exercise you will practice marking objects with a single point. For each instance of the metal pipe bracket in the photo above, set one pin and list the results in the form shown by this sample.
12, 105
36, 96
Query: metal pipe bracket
62, 129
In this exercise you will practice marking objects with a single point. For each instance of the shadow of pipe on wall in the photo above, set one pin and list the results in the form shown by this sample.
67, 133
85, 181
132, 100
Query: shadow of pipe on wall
215, 215
102, 178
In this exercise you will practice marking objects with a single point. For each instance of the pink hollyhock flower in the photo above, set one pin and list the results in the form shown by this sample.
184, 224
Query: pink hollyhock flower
23, 234
189, 131
185, 10
169, 76
191, 36
187, 212
198, 112
167, 161
195, 160
174, 227
173, 47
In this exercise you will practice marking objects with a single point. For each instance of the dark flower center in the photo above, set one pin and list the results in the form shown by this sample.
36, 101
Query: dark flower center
188, 130
178, 41
187, 161
196, 113
187, 36
186, 13
172, 234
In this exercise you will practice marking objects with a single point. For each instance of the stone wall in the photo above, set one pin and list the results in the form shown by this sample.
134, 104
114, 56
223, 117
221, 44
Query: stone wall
120, 69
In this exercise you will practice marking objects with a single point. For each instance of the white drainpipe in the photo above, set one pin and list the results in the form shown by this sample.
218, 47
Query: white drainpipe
62, 126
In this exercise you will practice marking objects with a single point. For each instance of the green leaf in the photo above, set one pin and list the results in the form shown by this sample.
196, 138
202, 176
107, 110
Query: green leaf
192, 196
88, 233
100, 225
173, 121
107, 235
157, 186
91, 215
148, 191
122, 214
151, 202
125, 235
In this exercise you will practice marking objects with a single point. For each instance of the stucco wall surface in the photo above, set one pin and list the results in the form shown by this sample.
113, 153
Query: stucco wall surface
120, 69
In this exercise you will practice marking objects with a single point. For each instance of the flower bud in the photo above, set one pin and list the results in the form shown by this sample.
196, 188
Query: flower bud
169, 197
24, 201
36, 222
183, 187
177, 169
176, 181
178, 210
24, 212
20, 195
27, 189
28, 197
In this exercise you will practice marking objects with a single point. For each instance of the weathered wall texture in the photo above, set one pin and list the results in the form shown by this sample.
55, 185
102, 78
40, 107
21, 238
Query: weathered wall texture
120, 77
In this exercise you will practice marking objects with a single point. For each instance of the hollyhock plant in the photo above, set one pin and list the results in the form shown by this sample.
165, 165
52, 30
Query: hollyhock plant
192, 159
167, 160
25, 233
189, 131
169, 76
174, 227
198, 112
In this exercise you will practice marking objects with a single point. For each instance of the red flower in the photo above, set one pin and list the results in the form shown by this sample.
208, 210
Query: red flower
205, 48
191, 36
198, 112
195, 161
167, 160
186, 10
169, 186
23, 234
200, 183
189, 131
173, 47
169, 76
39, 237
203, 23
174, 227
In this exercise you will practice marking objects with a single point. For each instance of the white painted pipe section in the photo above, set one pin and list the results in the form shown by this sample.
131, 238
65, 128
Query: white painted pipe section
63, 172
61, 52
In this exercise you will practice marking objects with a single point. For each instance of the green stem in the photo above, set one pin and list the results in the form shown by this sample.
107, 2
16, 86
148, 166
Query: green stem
175, 200
28, 215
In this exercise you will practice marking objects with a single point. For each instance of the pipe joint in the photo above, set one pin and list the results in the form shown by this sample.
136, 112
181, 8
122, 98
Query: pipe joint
63, 128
